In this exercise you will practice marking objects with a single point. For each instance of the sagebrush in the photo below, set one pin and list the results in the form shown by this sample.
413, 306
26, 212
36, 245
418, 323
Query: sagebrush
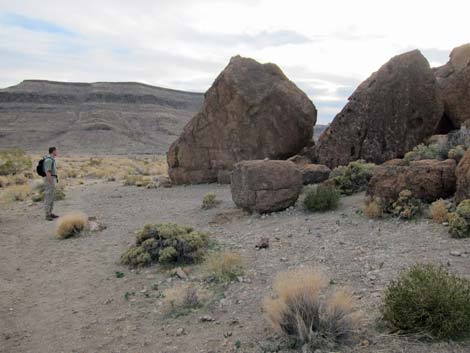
209, 201
459, 221
166, 243
428, 300
352, 178
14, 161
439, 211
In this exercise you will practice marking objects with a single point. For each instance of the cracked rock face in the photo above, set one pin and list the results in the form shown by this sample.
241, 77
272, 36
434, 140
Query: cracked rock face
395, 109
265, 186
454, 87
252, 111
428, 180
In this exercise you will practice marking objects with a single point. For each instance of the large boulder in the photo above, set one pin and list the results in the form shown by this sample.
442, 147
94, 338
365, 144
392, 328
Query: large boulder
454, 88
463, 178
427, 180
265, 185
252, 111
395, 109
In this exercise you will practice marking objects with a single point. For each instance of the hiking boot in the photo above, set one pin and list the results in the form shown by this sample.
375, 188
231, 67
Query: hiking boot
49, 218
54, 215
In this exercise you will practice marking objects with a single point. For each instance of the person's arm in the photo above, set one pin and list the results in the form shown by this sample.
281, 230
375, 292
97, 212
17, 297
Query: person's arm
48, 170
49, 176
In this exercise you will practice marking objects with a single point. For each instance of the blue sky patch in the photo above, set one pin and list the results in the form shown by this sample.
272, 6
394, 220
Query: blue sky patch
33, 24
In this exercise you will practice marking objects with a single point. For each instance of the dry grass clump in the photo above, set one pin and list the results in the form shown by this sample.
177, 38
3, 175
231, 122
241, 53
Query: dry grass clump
14, 161
439, 211
71, 224
182, 299
166, 243
373, 208
40, 189
137, 180
428, 300
459, 221
209, 201
17, 193
302, 309
224, 266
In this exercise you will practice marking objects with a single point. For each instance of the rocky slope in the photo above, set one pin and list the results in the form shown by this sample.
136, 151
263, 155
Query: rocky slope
87, 118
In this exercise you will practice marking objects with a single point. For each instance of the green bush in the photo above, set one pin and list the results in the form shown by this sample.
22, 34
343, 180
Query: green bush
352, 178
166, 243
456, 153
406, 206
13, 161
209, 201
427, 299
422, 151
459, 221
321, 198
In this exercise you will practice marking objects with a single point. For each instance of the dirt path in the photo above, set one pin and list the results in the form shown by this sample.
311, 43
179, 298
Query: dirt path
63, 296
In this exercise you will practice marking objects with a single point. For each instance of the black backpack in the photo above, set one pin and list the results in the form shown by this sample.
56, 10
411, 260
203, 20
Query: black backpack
40, 167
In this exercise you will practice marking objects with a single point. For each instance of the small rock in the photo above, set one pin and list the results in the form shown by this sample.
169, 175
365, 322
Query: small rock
181, 274
206, 318
263, 243
180, 332
456, 253
283, 259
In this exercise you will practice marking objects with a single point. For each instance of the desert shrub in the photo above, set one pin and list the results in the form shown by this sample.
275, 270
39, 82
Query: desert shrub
4, 181
427, 299
406, 206
71, 224
459, 221
166, 243
352, 178
304, 310
439, 211
321, 198
373, 208
456, 153
137, 180
422, 151
14, 161
181, 300
17, 192
209, 201
39, 192
225, 266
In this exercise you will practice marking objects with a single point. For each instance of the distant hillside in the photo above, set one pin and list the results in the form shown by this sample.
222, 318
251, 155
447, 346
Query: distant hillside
87, 118
318, 130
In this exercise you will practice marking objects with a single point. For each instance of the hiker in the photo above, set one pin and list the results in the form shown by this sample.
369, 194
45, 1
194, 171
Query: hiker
50, 181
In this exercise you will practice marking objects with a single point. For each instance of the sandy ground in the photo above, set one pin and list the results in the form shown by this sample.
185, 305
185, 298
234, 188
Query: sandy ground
64, 296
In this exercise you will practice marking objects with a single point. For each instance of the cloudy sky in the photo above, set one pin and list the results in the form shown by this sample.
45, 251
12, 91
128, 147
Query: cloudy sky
325, 47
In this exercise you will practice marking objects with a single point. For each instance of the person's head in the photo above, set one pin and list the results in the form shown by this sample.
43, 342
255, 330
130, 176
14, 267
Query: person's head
53, 151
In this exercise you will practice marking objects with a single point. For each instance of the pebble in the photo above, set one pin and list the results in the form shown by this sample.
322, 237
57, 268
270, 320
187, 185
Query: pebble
206, 318
455, 253
180, 332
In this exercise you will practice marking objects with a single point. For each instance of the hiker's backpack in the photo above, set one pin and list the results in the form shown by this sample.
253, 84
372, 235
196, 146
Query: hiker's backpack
40, 167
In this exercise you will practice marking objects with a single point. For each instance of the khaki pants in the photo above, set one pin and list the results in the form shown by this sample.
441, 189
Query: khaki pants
49, 195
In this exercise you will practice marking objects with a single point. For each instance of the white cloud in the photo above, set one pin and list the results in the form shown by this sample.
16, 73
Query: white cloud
327, 48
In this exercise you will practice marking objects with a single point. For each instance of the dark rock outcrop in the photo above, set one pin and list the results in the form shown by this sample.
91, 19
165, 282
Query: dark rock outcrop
395, 109
314, 173
454, 88
427, 180
265, 185
252, 111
